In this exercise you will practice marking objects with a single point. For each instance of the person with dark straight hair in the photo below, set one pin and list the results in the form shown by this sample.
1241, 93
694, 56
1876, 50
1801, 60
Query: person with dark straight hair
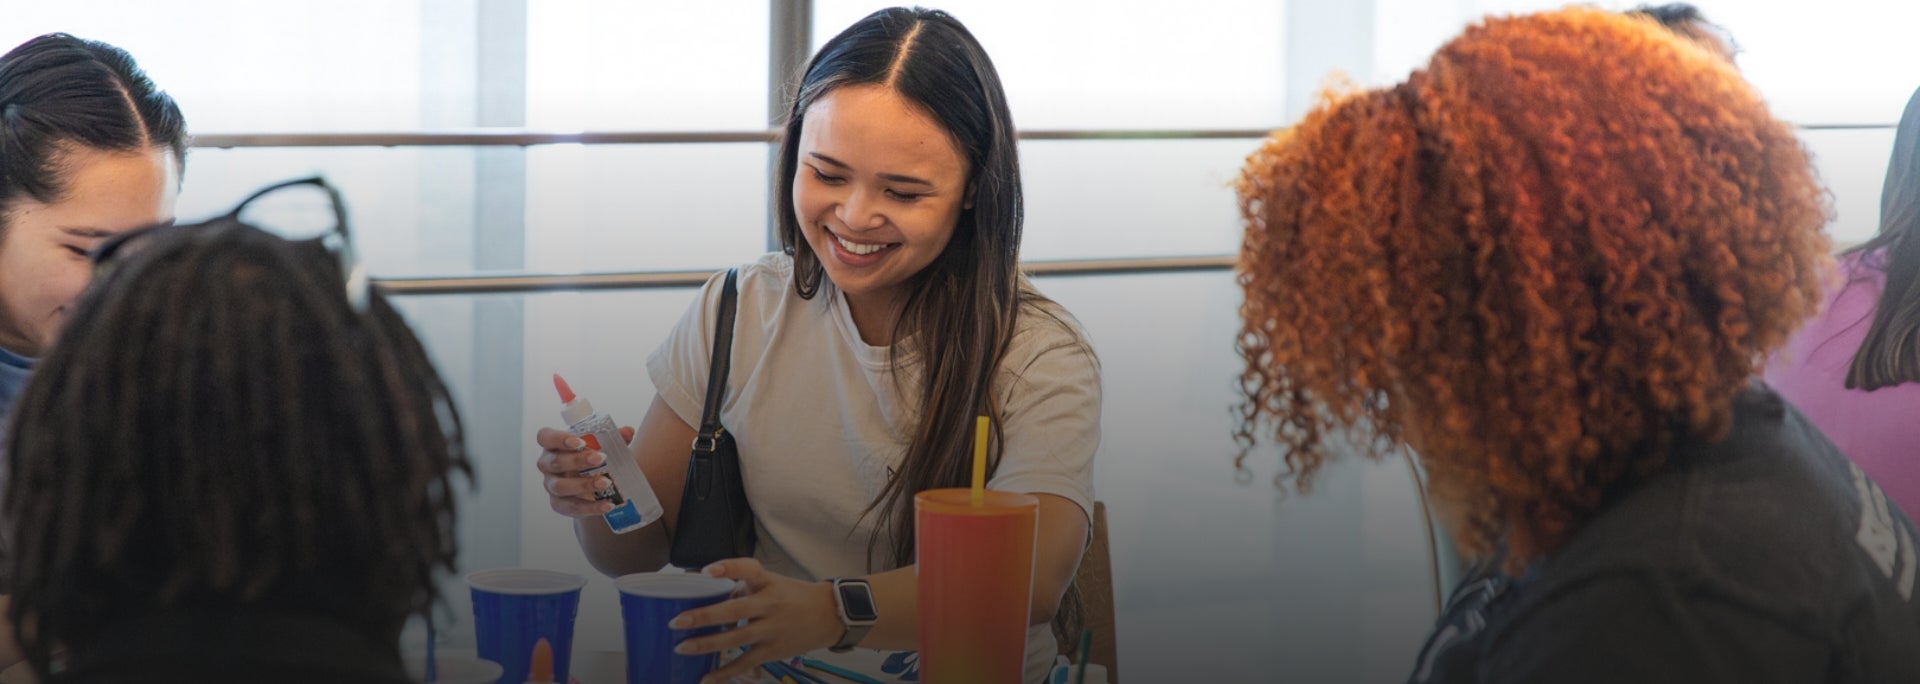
1855, 370
89, 148
257, 487
1687, 21
895, 314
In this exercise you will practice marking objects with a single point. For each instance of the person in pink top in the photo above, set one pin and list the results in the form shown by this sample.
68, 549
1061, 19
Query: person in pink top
1854, 370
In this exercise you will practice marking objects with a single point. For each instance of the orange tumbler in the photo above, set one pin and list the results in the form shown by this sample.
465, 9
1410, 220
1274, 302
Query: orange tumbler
975, 569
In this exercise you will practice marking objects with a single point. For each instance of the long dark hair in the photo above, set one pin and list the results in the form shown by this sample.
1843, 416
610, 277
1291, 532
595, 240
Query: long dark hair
224, 431
57, 90
1890, 354
962, 309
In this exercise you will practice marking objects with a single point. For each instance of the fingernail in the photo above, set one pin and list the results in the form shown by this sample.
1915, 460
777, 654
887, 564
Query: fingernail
678, 623
606, 507
601, 484
596, 458
575, 443
713, 570
683, 648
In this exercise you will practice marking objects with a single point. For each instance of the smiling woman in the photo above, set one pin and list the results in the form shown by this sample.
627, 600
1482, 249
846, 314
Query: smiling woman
43, 251
894, 315
886, 214
89, 148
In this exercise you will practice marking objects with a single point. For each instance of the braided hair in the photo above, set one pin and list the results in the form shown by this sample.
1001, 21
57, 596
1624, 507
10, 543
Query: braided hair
220, 430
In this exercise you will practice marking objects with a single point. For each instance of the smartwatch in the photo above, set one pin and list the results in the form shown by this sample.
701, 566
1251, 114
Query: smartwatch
854, 599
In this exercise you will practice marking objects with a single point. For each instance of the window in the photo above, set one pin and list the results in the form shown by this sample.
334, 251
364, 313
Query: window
1839, 70
594, 65
239, 66
1128, 64
1354, 550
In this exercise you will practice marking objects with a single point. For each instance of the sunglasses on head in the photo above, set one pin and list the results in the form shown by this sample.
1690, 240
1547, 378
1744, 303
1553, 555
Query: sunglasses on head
289, 209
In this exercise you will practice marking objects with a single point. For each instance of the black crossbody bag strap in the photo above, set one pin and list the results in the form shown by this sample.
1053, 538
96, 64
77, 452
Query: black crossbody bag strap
716, 520
722, 362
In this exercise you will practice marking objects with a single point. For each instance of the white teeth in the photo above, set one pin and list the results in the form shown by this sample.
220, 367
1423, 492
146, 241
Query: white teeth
858, 248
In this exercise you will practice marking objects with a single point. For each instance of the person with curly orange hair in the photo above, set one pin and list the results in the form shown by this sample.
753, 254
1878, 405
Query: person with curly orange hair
1550, 263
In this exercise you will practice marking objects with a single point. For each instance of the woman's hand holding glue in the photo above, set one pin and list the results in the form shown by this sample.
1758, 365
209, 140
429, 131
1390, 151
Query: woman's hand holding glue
562, 458
614, 478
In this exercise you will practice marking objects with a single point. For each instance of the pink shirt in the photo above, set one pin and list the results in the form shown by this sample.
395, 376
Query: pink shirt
1879, 430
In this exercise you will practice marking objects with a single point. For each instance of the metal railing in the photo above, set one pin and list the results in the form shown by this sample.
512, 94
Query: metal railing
522, 283
508, 283
485, 137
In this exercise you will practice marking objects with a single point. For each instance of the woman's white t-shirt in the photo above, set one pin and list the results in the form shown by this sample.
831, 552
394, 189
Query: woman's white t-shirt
821, 423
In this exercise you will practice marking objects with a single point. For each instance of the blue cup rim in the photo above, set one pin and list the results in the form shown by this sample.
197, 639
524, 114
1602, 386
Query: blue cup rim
673, 585
525, 581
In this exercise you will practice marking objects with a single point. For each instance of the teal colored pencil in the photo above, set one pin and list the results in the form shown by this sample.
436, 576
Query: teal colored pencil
793, 673
1086, 644
783, 673
839, 671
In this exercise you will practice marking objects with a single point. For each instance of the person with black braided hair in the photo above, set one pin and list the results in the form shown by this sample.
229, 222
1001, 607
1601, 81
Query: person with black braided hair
257, 486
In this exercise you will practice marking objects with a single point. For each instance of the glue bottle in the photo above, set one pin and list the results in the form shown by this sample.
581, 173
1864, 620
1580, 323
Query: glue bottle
634, 504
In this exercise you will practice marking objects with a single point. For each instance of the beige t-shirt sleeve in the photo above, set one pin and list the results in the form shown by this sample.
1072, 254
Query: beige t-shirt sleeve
1052, 427
679, 366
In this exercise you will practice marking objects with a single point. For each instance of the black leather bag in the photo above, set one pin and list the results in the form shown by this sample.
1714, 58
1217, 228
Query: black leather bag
715, 520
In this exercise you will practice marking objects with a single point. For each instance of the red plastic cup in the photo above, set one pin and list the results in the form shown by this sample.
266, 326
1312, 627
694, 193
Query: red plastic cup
975, 566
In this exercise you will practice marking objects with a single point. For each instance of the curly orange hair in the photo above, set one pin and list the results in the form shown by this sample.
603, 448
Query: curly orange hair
1543, 259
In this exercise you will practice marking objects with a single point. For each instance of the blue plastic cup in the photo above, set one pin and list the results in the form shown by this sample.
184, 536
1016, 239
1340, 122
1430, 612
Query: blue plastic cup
514, 608
647, 601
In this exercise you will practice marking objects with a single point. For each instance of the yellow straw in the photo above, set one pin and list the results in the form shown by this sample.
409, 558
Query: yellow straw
980, 461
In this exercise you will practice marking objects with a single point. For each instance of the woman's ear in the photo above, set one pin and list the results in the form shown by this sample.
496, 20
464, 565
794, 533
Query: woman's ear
971, 188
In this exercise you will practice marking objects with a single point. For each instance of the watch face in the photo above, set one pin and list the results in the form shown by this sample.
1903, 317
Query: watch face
857, 599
